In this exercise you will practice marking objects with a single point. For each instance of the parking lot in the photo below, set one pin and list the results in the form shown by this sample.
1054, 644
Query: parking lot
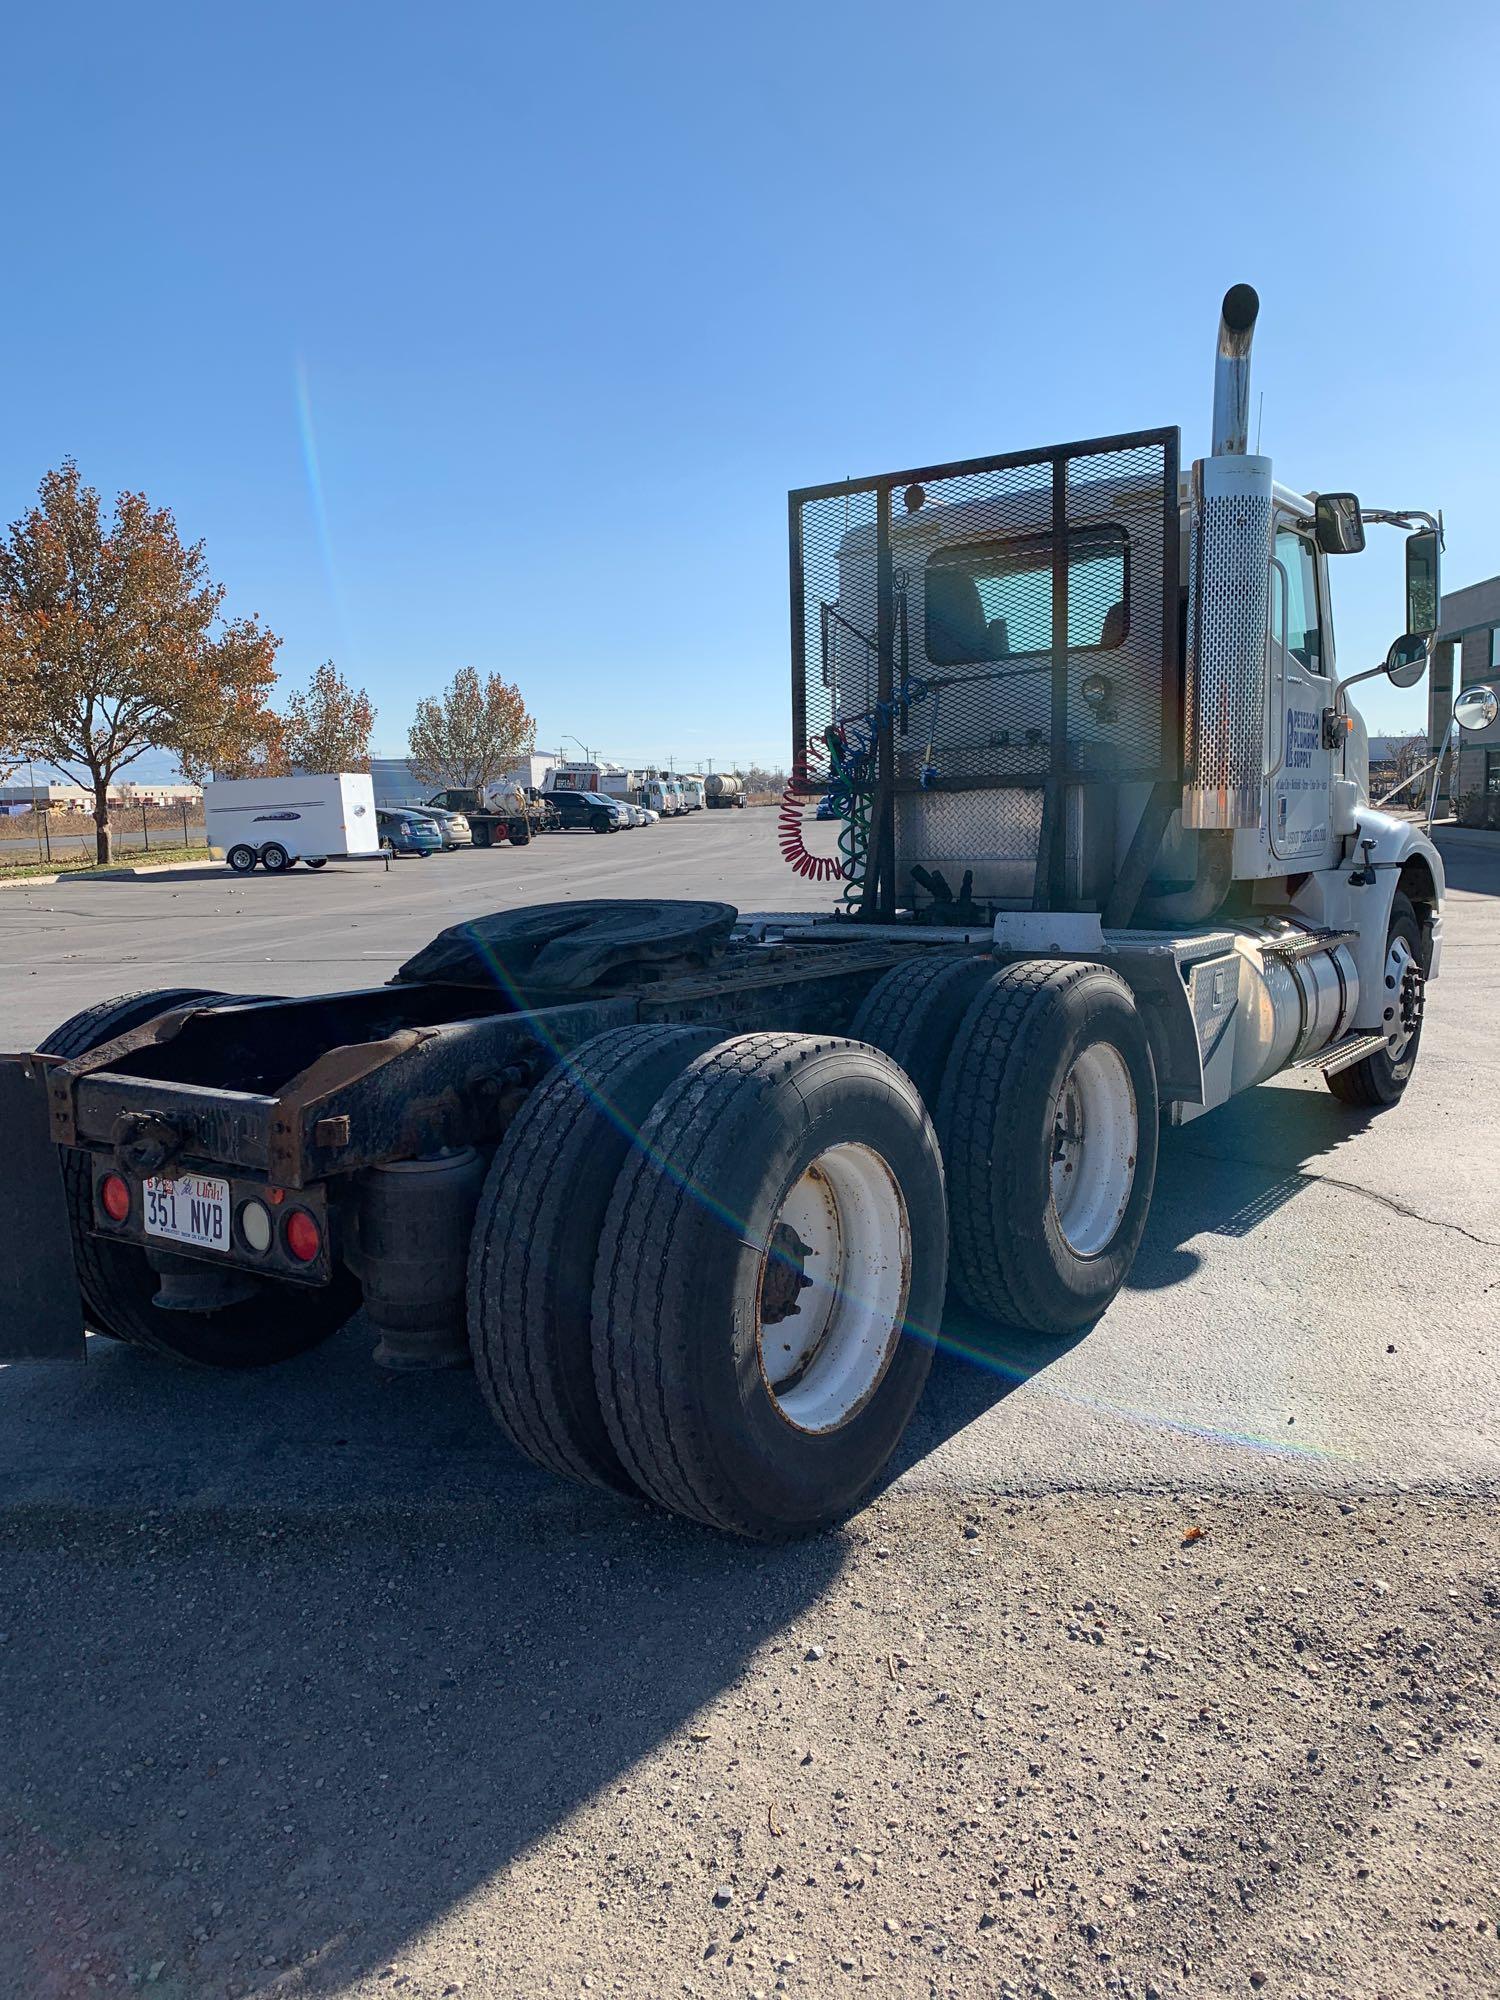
341, 1695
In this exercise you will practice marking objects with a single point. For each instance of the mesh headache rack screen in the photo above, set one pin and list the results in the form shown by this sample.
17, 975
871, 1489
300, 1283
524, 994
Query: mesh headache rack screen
976, 647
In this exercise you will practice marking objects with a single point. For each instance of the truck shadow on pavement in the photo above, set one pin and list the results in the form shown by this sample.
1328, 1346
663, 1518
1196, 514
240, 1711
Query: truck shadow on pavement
315, 1659
1232, 1170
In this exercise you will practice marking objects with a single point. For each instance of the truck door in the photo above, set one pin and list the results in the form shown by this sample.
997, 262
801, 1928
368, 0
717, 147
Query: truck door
1300, 664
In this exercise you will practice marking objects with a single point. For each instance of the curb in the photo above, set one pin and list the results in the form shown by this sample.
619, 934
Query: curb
106, 874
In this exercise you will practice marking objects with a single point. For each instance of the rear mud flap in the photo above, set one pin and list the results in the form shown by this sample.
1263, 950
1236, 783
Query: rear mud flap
41, 1314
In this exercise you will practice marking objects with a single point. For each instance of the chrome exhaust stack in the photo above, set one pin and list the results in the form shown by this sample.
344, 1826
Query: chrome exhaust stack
1232, 371
1228, 598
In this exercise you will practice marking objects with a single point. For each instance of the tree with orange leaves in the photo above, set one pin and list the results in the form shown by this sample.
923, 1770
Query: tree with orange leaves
112, 642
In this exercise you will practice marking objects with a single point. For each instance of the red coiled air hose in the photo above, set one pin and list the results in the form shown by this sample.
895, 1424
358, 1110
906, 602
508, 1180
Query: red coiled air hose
794, 851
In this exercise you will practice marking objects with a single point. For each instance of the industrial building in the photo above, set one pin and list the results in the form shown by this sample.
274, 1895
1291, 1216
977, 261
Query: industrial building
21, 795
1466, 653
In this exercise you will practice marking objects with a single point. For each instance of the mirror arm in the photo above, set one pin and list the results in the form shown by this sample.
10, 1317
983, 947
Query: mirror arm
1353, 681
1406, 517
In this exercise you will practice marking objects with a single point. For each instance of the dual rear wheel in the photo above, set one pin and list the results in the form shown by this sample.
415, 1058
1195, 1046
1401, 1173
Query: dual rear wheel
1041, 1082
710, 1272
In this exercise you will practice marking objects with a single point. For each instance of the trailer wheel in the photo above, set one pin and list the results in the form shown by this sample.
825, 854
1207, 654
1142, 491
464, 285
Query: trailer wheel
1049, 1123
769, 1282
323, 863
274, 858
531, 1256
913, 1012
242, 858
1381, 1078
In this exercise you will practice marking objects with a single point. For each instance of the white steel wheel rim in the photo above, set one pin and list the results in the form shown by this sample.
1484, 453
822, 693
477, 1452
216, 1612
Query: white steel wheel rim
1095, 1141
838, 1257
1400, 966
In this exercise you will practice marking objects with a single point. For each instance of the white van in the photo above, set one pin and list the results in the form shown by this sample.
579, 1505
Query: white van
273, 823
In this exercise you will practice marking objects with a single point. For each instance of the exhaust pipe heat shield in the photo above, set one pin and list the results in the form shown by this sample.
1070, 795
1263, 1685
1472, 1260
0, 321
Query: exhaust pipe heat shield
1228, 600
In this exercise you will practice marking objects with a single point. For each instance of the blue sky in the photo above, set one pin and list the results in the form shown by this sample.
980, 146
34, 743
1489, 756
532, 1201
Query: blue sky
497, 335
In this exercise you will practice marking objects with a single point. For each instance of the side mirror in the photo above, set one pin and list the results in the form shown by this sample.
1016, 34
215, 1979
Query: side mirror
1338, 527
1406, 662
1476, 708
1423, 594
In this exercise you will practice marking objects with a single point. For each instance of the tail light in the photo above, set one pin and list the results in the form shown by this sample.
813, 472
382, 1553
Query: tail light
114, 1197
302, 1237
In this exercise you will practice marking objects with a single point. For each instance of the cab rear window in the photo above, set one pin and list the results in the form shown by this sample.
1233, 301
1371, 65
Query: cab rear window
992, 600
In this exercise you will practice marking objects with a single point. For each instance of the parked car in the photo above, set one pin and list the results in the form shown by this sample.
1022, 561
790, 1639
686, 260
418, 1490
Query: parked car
590, 809
406, 832
453, 827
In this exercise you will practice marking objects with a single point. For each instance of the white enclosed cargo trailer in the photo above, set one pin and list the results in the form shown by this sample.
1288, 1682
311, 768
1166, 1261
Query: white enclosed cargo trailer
273, 823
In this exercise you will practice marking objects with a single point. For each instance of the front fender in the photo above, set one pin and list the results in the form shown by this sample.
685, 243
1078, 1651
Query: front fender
1401, 857
1416, 864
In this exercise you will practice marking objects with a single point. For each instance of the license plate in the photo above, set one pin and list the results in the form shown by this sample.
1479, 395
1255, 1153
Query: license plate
191, 1209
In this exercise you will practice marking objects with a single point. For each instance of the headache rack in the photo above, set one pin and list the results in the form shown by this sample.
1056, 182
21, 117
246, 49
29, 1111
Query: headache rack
986, 672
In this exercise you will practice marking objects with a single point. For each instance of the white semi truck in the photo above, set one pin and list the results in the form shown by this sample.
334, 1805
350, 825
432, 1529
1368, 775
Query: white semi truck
690, 1187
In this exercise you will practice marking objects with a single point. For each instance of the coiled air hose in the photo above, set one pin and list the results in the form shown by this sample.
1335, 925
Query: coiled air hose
849, 751
794, 850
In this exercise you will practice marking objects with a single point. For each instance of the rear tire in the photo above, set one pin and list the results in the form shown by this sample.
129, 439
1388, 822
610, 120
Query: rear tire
536, 1235
914, 1011
319, 864
1380, 1079
481, 836
738, 1389
1049, 1123
118, 1285
520, 833
274, 858
242, 858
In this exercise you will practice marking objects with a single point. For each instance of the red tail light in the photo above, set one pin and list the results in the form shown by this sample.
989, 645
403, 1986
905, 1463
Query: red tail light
114, 1197
302, 1236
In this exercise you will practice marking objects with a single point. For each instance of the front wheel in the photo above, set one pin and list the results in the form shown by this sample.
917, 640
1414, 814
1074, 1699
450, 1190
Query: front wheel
1380, 1079
601, 825
241, 858
769, 1283
1049, 1123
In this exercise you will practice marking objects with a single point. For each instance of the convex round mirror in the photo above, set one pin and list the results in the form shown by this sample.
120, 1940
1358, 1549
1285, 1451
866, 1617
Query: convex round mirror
1406, 662
1476, 708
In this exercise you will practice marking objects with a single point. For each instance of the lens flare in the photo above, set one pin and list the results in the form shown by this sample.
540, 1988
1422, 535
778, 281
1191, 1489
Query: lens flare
317, 499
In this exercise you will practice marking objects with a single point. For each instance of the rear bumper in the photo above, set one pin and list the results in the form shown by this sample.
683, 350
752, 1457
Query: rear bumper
41, 1313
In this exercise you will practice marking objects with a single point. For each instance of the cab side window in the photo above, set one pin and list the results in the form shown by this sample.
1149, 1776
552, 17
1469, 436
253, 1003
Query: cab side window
1295, 620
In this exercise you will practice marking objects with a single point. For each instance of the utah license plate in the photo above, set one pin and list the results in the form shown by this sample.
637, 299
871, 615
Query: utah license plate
194, 1209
